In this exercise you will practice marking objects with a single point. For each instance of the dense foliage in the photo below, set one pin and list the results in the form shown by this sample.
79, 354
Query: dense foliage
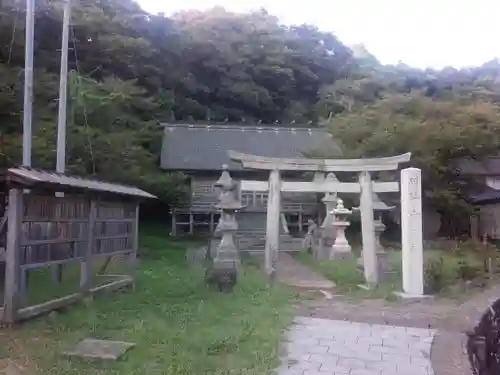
439, 116
130, 70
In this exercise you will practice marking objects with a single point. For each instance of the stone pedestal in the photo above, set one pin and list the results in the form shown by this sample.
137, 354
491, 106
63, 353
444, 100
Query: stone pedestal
385, 270
341, 249
328, 231
322, 252
379, 229
223, 270
383, 262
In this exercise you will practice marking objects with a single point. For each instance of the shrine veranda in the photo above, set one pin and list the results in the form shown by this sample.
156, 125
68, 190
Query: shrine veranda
411, 205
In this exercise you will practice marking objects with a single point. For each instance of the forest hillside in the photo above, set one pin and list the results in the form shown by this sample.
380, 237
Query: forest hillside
130, 70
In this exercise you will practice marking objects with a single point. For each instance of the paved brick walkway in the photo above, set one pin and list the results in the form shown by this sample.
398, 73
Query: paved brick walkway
450, 320
334, 347
447, 320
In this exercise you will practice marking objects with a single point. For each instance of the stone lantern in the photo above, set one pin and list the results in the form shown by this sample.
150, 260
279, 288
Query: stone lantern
341, 248
226, 260
379, 207
327, 229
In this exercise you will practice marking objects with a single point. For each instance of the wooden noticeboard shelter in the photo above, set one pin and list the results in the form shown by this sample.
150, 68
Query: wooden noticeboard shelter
92, 220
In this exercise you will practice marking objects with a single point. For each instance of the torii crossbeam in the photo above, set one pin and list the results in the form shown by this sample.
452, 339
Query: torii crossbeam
365, 187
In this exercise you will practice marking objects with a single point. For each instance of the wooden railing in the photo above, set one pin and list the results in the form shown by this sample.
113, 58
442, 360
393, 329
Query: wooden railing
202, 206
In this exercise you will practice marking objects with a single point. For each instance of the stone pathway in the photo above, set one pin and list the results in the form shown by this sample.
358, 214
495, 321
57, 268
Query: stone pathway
322, 347
447, 319
293, 273
444, 323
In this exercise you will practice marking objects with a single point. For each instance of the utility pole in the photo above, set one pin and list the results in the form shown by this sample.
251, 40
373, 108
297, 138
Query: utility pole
62, 112
28, 82
63, 92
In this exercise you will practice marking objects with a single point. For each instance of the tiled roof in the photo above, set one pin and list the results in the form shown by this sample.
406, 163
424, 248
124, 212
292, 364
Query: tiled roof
31, 176
483, 194
488, 166
204, 147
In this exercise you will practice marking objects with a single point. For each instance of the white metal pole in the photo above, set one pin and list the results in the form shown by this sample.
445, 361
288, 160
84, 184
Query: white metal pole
28, 82
62, 111
63, 92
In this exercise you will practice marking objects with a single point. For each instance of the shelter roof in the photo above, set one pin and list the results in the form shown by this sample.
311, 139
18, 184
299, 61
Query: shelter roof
31, 178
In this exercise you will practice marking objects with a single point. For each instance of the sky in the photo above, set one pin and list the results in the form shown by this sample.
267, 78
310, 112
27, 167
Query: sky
420, 33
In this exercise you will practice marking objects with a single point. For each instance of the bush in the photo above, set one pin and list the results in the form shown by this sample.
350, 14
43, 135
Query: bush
434, 276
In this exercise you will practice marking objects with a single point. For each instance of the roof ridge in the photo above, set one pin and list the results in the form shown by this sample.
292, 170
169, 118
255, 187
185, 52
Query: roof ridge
256, 127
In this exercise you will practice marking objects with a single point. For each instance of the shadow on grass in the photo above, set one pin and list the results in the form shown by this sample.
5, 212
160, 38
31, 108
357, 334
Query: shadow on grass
179, 325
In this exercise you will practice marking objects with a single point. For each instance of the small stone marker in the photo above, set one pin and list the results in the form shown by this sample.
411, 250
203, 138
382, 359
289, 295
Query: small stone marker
92, 349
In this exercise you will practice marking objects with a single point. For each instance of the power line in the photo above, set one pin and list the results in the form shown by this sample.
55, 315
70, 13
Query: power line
85, 113
12, 40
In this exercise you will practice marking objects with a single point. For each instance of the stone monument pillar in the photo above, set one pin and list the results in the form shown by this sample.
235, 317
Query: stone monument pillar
341, 249
226, 261
411, 231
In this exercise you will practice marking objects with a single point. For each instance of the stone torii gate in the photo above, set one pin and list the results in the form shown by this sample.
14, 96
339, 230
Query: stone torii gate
365, 187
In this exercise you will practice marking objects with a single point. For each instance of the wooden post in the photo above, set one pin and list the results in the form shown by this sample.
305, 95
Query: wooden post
368, 230
86, 265
57, 270
132, 259
191, 223
173, 231
273, 224
474, 228
12, 255
300, 221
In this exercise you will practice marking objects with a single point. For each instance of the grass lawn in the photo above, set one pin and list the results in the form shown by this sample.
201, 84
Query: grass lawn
347, 277
178, 324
